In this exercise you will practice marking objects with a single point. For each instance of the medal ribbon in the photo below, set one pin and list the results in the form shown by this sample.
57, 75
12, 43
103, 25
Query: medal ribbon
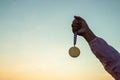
75, 38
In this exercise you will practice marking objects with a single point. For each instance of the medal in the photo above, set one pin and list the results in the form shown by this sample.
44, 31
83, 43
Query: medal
74, 51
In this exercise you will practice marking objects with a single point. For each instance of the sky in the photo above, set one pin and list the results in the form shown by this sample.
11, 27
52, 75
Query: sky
35, 36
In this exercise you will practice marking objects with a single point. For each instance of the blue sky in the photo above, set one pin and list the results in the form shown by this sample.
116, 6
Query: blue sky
37, 33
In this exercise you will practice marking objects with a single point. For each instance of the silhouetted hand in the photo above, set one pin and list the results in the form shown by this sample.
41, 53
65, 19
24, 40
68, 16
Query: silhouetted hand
80, 26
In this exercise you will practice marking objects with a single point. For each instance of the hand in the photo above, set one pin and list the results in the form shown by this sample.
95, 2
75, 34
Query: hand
80, 26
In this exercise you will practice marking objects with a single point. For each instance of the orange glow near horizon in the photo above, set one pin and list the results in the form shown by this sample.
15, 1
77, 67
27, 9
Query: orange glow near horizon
22, 73
45, 76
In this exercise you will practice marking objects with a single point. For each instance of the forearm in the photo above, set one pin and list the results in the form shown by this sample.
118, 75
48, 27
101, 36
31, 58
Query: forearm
100, 46
108, 56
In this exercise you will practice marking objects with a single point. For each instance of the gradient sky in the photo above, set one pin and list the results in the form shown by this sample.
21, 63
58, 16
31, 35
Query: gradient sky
35, 36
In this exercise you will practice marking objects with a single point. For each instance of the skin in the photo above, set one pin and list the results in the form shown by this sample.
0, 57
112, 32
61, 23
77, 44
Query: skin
111, 63
80, 26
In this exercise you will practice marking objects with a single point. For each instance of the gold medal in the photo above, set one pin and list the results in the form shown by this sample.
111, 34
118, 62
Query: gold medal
74, 51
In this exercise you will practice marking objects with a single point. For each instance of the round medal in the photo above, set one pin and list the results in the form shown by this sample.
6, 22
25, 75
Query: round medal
74, 52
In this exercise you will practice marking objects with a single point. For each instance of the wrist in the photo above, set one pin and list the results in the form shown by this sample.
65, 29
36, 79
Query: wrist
89, 35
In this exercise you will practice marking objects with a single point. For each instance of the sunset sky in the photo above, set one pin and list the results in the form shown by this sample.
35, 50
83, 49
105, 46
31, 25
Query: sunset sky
35, 36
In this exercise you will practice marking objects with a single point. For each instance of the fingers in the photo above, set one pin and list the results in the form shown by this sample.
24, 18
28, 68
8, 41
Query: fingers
77, 24
79, 18
76, 17
75, 27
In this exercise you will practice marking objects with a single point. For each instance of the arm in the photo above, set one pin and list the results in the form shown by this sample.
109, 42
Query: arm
107, 55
